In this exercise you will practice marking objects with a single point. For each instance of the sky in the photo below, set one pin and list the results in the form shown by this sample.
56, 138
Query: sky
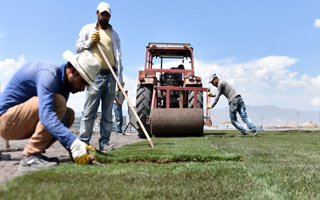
269, 50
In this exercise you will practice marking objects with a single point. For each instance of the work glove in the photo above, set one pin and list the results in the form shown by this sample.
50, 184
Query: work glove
79, 152
95, 37
209, 106
210, 94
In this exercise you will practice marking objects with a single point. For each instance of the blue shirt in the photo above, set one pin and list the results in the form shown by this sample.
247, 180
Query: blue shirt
44, 81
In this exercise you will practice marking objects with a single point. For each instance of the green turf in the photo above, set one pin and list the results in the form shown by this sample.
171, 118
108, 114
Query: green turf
274, 165
168, 150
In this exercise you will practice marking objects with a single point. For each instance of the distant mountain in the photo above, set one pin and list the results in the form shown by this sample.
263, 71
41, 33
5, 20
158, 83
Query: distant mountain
269, 115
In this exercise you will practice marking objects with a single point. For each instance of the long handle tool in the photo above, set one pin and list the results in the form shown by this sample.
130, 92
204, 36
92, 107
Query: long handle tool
126, 97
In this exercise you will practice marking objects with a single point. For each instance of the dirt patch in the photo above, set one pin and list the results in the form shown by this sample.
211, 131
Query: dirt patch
9, 167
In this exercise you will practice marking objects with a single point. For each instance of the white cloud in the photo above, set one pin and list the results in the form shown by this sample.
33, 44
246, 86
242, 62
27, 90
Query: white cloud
266, 81
8, 67
316, 101
131, 86
76, 102
315, 81
265, 70
316, 23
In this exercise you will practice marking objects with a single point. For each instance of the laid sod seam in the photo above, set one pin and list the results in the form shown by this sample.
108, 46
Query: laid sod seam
107, 159
168, 150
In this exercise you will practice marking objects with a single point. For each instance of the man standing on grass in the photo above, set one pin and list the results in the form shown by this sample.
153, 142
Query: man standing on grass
100, 33
33, 106
236, 104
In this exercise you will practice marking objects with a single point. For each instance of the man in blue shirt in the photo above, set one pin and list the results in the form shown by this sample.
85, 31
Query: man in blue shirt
33, 105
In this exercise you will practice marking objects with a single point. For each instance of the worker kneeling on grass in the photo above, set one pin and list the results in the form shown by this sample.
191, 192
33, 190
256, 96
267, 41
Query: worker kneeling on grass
236, 104
33, 105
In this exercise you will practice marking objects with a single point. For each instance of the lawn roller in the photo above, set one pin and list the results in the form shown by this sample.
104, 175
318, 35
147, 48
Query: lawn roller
169, 99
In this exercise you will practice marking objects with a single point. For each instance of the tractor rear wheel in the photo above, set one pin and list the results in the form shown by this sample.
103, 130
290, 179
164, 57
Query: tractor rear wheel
191, 95
143, 105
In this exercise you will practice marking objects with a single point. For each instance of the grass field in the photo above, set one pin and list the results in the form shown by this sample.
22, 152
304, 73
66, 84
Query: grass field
220, 165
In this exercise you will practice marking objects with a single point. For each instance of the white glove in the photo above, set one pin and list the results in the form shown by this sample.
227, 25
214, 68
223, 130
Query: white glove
79, 151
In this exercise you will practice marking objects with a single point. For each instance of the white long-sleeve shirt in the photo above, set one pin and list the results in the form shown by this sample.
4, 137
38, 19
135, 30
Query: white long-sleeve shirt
224, 88
84, 42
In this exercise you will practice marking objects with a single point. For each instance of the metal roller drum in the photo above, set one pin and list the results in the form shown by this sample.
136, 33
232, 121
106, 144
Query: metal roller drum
177, 122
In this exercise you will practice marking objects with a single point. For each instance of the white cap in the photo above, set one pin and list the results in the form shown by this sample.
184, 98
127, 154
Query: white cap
103, 6
86, 65
213, 76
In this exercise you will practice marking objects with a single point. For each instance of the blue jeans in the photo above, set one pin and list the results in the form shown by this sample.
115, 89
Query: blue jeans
237, 106
118, 117
106, 93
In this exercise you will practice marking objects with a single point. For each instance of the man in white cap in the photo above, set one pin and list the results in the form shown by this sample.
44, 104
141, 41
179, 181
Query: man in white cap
91, 35
236, 104
33, 105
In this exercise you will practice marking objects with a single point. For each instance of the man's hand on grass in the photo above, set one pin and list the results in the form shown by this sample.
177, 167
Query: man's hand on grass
79, 151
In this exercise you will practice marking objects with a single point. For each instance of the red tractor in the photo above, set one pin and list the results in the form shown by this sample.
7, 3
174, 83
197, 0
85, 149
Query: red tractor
169, 98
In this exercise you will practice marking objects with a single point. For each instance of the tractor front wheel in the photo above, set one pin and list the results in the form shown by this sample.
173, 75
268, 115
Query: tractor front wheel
143, 105
191, 96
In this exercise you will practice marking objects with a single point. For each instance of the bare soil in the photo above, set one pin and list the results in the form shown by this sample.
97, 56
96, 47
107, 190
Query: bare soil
8, 168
